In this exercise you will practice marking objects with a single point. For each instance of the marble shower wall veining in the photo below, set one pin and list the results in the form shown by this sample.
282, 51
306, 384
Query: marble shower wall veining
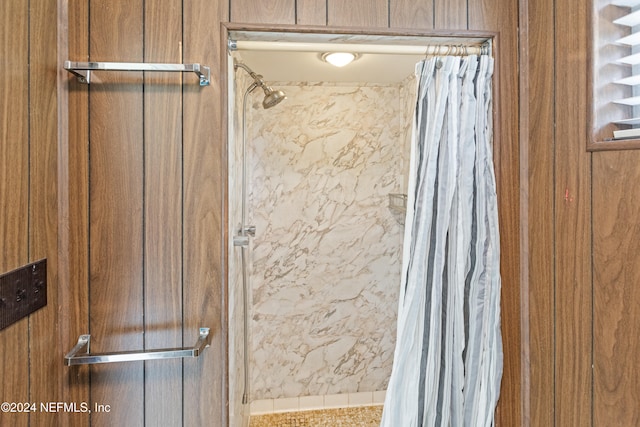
326, 258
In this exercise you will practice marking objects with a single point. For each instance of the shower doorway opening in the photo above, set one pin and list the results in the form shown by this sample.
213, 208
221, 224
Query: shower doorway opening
312, 315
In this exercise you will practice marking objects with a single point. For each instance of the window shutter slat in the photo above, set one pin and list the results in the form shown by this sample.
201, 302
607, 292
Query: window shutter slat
629, 20
629, 81
626, 3
630, 60
631, 121
633, 101
630, 40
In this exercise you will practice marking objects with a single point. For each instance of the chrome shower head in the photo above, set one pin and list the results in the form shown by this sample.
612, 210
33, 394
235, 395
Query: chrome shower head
271, 97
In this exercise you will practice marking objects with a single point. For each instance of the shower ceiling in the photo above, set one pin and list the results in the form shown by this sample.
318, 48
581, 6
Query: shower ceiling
307, 66
284, 66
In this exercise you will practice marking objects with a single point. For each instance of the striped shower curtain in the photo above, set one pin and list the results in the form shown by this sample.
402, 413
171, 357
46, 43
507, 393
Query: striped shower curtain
448, 358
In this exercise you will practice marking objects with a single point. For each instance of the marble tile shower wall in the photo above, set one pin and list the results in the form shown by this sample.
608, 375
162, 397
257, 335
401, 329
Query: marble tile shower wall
326, 259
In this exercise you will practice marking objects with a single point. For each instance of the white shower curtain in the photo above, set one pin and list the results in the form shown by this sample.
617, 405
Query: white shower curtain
448, 358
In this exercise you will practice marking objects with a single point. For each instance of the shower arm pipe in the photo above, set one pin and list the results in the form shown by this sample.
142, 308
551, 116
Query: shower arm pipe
256, 78
482, 48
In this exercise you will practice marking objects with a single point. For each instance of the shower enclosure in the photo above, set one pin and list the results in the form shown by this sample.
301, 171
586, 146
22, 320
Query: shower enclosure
315, 250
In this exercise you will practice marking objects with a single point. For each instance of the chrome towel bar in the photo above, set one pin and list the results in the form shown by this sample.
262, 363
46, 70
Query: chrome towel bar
83, 69
73, 358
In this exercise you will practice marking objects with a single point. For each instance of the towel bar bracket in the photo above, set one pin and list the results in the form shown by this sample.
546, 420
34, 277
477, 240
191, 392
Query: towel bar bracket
84, 341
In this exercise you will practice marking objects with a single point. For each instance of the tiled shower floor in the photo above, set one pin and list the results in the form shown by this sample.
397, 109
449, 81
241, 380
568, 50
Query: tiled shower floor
362, 416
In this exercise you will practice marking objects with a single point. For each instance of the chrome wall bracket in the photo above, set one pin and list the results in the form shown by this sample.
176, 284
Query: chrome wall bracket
242, 239
83, 70
84, 341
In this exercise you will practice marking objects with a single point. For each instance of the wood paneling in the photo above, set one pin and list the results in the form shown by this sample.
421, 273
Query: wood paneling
573, 299
538, 148
451, 14
205, 171
411, 14
144, 191
14, 194
14, 122
163, 212
616, 257
311, 12
74, 218
46, 368
144, 237
116, 211
263, 12
358, 13
128, 260
502, 17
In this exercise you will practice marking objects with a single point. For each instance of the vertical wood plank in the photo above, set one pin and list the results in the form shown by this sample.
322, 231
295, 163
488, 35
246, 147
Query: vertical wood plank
163, 211
502, 17
616, 257
14, 193
450, 14
263, 12
74, 217
572, 218
46, 368
358, 13
411, 14
311, 12
204, 195
116, 207
538, 78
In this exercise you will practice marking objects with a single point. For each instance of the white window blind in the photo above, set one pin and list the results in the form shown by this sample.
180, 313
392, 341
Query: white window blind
631, 21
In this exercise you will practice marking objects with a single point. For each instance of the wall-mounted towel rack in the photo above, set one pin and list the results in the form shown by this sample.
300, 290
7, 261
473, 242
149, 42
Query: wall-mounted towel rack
83, 69
73, 358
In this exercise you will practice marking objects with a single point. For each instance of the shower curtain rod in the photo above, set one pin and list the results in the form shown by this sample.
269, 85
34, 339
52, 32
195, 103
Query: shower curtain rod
444, 49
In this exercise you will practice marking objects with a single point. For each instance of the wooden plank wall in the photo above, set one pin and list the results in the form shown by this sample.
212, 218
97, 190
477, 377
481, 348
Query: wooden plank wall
116, 239
163, 300
145, 227
582, 235
74, 221
559, 221
538, 153
135, 224
616, 252
130, 201
204, 242
572, 189
44, 347
31, 368
14, 193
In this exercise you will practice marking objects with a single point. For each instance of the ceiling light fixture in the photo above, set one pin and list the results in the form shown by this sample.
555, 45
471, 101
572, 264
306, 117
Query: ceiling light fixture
339, 59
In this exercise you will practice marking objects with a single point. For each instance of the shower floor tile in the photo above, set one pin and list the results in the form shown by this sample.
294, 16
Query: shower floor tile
361, 416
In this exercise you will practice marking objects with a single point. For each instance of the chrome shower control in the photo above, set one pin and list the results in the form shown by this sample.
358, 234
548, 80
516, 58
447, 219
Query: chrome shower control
242, 239
250, 230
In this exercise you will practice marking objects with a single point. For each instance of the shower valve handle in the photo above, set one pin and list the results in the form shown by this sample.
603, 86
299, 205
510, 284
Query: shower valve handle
249, 230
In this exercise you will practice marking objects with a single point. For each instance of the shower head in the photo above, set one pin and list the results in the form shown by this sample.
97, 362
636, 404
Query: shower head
271, 97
